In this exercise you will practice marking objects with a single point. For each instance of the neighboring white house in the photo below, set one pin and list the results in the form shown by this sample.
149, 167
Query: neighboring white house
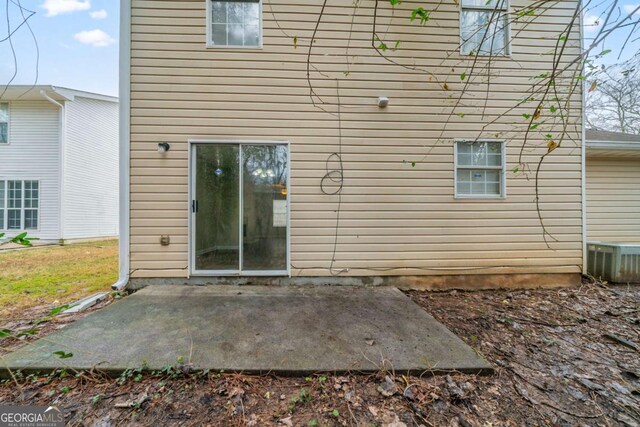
58, 163
613, 205
613, 187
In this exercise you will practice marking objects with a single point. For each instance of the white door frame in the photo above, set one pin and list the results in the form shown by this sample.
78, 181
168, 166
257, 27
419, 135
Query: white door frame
191, 222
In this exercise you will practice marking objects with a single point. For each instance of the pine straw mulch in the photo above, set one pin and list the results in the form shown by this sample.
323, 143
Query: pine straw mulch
565, 357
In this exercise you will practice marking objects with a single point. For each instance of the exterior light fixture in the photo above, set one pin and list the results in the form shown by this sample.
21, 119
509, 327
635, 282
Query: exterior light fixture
163, 147
383, 101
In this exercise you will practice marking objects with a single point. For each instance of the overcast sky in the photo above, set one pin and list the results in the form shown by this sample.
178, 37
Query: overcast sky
78, 42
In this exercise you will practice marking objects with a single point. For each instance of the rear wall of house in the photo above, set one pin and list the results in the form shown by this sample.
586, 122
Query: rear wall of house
395, 218
613, 199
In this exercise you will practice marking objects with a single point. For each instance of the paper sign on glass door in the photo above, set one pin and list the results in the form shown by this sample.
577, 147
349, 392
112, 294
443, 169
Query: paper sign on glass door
279, 213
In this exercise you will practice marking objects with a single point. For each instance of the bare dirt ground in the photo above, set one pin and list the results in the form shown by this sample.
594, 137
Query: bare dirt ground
563, 358
33, 322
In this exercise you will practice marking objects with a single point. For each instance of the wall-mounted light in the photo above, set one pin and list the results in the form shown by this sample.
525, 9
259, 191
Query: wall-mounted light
383, 101
163, 147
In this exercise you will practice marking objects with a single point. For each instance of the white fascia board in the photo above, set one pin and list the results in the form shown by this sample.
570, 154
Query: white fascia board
57, 93
612, 145
70, 94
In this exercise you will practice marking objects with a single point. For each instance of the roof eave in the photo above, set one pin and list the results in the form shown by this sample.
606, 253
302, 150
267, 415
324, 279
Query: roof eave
613, 145
60, 94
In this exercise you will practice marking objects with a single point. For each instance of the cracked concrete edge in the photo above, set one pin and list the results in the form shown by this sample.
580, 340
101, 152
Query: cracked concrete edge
114, 372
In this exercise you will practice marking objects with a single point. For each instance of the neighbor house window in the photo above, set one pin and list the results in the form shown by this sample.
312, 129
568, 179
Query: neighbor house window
3, 203
480, 169
4, 123
19, 205
484, 27
234, 23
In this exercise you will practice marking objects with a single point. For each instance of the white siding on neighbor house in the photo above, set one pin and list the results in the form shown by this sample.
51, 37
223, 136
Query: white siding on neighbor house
90, 199
33, 154
613, 199
394, 219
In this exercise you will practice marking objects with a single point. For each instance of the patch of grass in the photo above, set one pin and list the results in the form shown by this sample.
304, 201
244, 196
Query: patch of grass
55, 275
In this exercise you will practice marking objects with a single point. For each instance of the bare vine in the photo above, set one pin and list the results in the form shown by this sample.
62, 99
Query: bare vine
567, 71
12, 31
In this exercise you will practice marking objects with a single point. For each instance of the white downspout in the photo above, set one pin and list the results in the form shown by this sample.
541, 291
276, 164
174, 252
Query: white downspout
583, 152
62, 146
124, 103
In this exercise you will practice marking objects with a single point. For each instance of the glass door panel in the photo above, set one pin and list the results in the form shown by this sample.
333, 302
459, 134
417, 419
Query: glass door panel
216, 206
264, 207
240, 211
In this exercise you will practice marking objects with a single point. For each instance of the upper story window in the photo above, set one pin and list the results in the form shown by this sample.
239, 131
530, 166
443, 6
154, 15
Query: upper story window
234, 23
480, 169
484, 27
4, 123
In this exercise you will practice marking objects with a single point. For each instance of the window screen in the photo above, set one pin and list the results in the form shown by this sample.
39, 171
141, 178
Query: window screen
235, 23
4, 123
483, 27
479, 169
19, 205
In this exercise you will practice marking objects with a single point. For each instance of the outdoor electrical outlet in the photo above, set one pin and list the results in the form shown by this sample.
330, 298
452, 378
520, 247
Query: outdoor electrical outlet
165, 240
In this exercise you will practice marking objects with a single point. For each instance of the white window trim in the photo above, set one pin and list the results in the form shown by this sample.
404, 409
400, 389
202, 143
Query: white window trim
5, 212
507, 33
3, 144
502, 169
211, 45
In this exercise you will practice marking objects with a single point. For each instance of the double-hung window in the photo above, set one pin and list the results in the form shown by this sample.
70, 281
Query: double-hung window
4, 123
484, 27
480, 169
235, 23
19, 205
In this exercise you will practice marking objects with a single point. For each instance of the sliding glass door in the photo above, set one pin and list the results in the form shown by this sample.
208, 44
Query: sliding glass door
239, 209
264, 207
215, 207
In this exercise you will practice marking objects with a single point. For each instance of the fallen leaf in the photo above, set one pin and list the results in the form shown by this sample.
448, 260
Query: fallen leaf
236, 391
142, 397
388, 387
286, 422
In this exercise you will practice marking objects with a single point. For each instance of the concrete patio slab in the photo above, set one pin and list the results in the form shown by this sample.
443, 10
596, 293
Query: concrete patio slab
256, 329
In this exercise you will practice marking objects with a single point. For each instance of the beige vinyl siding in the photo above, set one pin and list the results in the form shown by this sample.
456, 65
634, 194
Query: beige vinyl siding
613, 199
395, 218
